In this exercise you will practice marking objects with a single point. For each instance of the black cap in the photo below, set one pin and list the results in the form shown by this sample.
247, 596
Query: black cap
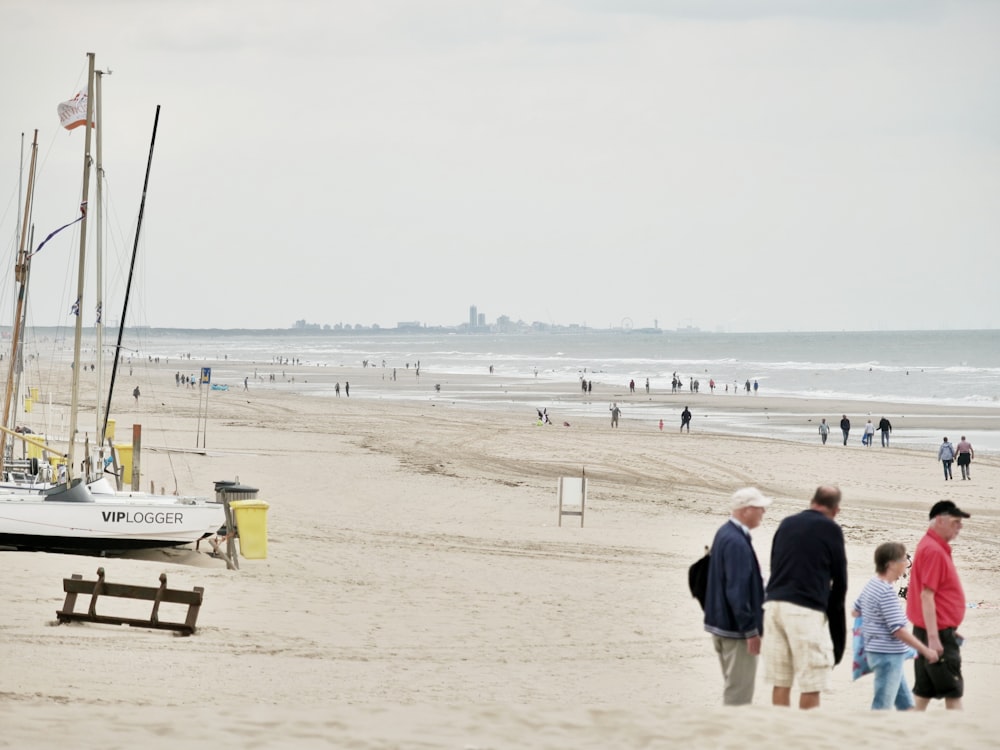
948, 508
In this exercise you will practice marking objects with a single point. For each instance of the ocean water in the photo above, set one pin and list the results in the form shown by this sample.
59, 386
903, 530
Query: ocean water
936, 367
944, 368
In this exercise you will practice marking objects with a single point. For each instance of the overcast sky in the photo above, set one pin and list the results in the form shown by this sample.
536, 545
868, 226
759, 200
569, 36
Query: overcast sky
740, 165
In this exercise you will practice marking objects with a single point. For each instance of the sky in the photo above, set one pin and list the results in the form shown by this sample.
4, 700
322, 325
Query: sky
738, 165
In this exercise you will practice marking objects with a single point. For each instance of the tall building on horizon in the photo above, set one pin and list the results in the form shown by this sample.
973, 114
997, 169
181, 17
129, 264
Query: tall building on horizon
473, 316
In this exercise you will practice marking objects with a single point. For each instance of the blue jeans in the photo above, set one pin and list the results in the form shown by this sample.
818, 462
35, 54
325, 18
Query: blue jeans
890, 682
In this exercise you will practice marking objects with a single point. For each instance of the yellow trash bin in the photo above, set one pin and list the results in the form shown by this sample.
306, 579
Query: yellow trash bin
251, 524
27, 405
36, 447
34, 393
124, 451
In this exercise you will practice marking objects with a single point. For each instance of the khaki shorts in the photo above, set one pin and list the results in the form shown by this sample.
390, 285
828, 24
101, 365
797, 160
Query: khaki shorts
796, 647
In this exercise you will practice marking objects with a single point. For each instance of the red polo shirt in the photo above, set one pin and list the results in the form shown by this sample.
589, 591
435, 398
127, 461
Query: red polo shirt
934, 569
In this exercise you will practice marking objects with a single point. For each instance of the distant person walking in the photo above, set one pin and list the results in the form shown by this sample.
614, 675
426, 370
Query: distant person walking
686, 419
946, 454
885, 427
245, 386
756, 385
347, 389
824, 431
615, 413
631, 386
869, 437
964, 457
336, 389
135, 394
845, 427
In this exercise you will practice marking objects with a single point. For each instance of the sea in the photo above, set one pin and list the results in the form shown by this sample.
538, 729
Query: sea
942, 368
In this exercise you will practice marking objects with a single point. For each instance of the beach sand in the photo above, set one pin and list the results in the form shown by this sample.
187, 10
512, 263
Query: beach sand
418, 591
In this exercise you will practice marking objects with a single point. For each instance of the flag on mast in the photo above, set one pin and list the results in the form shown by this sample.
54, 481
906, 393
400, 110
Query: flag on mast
73, 114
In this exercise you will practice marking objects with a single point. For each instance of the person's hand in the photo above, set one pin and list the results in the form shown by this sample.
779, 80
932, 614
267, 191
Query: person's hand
934, 643
929, 654
753, 646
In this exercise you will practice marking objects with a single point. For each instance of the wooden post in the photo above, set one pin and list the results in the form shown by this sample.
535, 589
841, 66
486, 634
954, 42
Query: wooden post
136, 449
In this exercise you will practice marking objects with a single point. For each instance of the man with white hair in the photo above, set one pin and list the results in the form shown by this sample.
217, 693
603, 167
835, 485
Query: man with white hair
734, 598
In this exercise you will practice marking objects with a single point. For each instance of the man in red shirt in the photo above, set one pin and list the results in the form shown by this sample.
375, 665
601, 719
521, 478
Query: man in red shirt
935, 604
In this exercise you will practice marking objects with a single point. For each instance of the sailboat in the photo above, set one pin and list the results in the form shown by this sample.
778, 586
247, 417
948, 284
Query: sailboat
88, 513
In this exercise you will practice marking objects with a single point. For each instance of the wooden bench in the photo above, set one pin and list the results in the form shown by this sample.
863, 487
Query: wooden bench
96, 589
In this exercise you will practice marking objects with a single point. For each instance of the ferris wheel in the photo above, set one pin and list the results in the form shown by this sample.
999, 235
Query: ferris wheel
626, 324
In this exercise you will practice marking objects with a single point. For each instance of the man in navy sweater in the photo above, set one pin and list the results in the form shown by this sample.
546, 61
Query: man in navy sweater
734, 597
804, 603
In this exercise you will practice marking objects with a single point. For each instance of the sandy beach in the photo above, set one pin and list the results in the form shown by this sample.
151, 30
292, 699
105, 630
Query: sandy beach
418, 591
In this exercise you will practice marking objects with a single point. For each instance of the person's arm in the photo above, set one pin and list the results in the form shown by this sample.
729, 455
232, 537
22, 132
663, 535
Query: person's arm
739, 571
838, 593
930, 620
913, 642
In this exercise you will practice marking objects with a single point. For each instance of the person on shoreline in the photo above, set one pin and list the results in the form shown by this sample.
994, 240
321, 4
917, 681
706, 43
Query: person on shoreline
615, 413
347, 389
805, 624
824, 430
135, 394
686, 419
734, 597
885, 427
869, 435
336, 389
887, 639
935, 604
964, 456
845, 427
946, 454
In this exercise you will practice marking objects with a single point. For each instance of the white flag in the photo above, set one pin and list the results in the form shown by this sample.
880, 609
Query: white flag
73, 114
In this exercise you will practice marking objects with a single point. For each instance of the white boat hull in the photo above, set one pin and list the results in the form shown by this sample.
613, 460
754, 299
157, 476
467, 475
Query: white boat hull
119, 521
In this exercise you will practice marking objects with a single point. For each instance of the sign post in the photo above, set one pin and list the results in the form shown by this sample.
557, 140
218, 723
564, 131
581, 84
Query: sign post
204, 380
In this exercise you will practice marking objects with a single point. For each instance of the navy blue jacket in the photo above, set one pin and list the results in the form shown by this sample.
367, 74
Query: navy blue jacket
734, 602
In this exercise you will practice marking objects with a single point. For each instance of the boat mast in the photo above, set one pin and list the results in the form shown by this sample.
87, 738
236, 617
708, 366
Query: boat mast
21, 274
75, 404
99, 284
131, 268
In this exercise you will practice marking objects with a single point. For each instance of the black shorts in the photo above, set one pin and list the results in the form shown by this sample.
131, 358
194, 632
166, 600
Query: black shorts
942, 679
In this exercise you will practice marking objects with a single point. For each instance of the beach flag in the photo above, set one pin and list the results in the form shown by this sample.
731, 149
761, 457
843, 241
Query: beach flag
73, 114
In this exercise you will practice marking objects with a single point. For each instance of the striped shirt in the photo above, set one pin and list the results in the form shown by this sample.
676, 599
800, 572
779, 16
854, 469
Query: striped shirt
881, 616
